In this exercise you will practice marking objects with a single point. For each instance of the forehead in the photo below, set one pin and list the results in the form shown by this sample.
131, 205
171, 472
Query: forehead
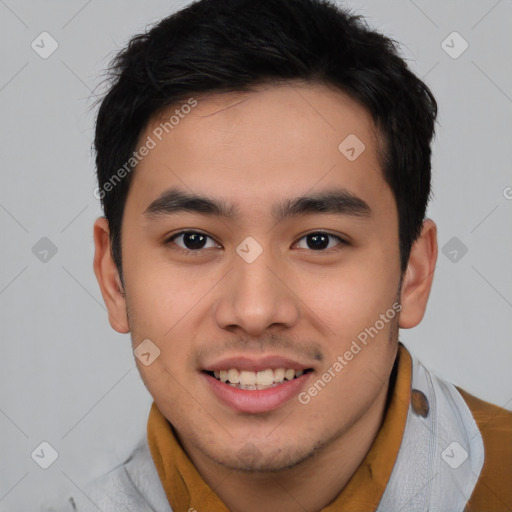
261, 144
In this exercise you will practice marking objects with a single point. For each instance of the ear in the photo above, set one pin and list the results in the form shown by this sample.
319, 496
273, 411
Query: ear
418, 277
108, 278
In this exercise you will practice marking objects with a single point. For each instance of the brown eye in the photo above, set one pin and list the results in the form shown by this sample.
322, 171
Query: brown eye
319, 241
192, 240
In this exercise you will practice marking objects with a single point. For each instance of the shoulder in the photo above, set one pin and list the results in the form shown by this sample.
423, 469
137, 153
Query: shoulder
493, 490
134, 486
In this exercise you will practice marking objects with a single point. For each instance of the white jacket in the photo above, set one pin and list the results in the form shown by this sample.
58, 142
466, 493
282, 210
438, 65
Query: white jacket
131, 487
426, 477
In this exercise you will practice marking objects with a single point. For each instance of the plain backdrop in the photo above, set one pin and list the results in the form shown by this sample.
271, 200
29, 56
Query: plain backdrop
66, 378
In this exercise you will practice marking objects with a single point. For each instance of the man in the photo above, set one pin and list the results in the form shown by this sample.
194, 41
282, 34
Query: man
264, 169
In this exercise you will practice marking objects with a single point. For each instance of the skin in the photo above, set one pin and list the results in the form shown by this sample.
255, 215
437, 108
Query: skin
254, 149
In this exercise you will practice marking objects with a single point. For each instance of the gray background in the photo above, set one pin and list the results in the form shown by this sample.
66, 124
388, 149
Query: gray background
66, 377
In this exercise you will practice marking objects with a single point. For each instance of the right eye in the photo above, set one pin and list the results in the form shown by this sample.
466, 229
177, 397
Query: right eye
193, 241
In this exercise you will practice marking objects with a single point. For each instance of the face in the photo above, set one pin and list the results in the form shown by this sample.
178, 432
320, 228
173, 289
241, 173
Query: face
286, 278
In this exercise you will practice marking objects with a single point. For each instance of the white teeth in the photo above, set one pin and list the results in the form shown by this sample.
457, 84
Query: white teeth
247, 378
263, 378
279, 375
289, 374
234, 376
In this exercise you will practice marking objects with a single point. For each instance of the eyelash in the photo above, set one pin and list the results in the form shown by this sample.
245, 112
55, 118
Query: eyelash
170, 239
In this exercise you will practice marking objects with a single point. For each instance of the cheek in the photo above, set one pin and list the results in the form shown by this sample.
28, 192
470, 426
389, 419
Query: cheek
349, 298
166, 305
357, 366
161, 296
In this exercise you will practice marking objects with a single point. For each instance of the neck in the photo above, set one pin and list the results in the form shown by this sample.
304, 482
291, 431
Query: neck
312, 485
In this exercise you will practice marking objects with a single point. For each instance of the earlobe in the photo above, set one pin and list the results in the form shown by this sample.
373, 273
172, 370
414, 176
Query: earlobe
108, 277
417, 281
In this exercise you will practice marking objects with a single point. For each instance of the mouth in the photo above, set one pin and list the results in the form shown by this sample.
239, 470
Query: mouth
257, 380
255, 385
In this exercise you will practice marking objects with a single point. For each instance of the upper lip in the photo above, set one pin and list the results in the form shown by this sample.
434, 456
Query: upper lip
256, 364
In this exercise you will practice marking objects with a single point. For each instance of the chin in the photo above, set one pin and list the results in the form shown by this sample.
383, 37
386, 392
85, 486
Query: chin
261, 457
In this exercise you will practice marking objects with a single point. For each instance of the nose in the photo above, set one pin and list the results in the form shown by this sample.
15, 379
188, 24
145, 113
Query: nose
255, 296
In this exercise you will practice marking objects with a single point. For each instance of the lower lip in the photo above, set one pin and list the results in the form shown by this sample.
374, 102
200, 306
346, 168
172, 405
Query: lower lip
256, 401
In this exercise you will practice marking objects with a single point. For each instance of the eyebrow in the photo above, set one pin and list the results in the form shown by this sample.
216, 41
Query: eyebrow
334, 201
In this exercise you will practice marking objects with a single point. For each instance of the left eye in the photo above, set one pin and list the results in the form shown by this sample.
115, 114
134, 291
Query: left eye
319, 241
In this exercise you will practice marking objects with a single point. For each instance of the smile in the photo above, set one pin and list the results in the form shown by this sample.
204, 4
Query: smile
251, 380
276, 390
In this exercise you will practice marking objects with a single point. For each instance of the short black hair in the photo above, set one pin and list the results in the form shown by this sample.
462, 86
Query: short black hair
235, 45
